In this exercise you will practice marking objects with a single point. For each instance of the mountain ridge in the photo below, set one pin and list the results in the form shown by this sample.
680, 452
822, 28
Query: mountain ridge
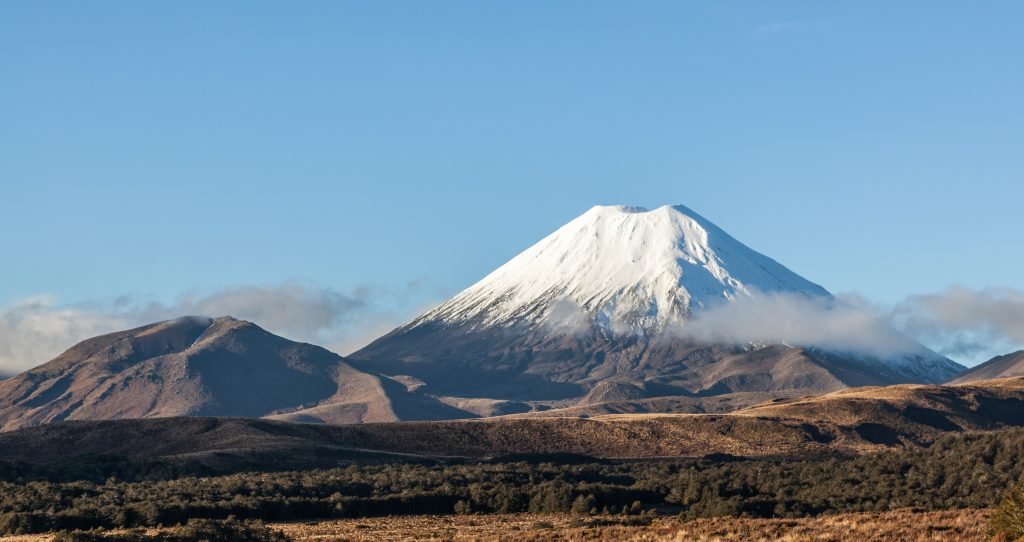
200, 366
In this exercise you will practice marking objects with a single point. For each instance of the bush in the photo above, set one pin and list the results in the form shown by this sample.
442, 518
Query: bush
1008, 519
202, 530
226, 531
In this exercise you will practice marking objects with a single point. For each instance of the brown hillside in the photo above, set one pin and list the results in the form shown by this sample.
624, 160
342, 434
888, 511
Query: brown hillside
906, 413
998, 367
196, 366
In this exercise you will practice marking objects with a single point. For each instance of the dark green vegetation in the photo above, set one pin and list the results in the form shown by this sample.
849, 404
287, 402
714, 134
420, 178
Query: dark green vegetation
961, 471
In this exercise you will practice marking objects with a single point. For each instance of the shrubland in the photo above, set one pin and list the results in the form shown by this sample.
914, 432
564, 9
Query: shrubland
960, 471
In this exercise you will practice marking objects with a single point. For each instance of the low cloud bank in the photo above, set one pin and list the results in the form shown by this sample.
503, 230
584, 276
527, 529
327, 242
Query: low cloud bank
34, 330
964, 323
796, 320
37, 329
969, 326
760, 318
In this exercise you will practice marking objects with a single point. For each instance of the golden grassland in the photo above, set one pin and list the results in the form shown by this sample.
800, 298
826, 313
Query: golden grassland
896, 526
967, 525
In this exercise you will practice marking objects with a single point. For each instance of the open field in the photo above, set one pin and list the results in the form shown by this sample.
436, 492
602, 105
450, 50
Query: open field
897, 526
968, 525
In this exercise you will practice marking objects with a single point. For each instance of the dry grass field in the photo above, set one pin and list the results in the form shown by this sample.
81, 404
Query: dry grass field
967, 525
896, 526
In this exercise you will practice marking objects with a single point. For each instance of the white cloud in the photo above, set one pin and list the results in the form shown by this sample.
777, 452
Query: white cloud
33, 330
756, 319
969, 326
567, 317
796, 320
963, 322
37, 329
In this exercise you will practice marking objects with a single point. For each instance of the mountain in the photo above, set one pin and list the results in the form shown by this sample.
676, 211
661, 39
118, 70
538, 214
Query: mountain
997, 367
601, 307
197, 366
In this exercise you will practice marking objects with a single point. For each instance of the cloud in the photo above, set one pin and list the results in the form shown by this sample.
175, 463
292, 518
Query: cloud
771, 318
796, 320
33, 330
967, 325
37, 329
567, 317
963, 322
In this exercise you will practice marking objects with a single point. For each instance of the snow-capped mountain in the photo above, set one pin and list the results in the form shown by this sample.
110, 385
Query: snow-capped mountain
609, 297
625, 268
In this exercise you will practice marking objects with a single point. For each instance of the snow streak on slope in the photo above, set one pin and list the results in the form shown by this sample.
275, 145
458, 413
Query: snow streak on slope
626, 269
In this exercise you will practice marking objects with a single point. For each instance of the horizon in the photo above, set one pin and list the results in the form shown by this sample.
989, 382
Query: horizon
342, 167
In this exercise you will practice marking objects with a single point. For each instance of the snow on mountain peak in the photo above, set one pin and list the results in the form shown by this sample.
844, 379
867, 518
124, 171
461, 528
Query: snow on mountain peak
625, 268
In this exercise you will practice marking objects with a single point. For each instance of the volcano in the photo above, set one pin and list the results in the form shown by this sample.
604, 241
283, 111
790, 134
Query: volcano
599, 310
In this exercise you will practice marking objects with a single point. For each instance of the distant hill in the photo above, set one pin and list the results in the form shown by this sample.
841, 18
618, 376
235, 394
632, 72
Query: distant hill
997, 367
197, 366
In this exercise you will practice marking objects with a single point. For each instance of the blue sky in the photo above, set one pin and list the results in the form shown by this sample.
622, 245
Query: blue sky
163, 147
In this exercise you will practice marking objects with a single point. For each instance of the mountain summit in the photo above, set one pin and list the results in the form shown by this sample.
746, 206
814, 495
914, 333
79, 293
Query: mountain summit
625, 268
595, 309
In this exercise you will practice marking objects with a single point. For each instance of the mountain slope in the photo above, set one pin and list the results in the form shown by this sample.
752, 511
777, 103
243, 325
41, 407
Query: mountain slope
197, 366
908, 413
998, 367
609, 296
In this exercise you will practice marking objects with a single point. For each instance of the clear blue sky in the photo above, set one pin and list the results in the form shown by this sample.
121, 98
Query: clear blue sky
156, 147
